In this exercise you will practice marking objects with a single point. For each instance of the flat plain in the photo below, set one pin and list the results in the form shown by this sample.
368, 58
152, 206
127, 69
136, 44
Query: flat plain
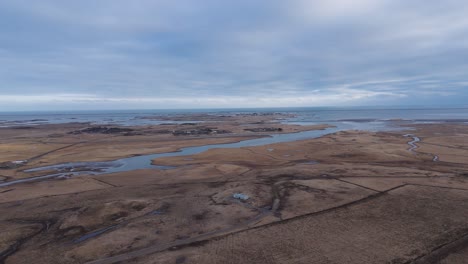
345, 197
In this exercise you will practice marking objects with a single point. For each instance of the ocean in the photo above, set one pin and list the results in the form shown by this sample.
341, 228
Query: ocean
311, 115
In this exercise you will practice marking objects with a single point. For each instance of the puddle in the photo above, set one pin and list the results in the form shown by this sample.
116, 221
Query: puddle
94, 234
312, 162
156, 212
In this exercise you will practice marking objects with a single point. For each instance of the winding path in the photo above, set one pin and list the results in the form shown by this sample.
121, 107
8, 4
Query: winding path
228, 231
45, 225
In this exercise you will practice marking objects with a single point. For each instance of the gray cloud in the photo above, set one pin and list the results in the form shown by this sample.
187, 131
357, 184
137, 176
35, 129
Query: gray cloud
153, 54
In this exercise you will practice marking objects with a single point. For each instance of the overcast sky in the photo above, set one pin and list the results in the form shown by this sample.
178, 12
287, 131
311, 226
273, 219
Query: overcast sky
120, 54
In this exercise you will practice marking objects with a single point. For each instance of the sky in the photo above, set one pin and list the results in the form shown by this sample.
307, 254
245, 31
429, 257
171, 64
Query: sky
163, 54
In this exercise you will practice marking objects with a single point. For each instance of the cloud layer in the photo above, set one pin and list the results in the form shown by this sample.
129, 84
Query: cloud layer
183, 54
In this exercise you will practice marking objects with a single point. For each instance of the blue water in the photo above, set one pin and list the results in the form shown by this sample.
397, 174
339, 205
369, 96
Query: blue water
304, 115
125, 118
372, 115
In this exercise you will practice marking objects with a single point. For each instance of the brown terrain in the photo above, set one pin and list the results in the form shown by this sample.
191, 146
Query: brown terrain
347, 197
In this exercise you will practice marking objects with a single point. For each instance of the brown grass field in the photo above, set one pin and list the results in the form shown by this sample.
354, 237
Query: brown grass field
347, 197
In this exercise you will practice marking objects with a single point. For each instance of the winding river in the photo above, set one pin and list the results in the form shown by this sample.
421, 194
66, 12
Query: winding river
413, 146
71, 169
413, 142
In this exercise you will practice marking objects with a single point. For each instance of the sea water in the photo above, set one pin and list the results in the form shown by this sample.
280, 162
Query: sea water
311, 115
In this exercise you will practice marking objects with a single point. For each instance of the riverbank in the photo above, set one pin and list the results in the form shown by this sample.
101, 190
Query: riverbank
54, 144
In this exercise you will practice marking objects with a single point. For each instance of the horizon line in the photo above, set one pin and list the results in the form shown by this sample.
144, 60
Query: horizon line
227, 109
